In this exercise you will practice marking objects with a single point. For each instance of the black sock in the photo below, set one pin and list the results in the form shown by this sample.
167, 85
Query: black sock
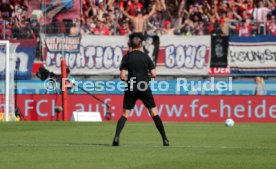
159, 126
120, 125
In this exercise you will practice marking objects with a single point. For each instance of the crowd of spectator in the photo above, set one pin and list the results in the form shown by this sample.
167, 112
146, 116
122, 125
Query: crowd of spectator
161, 17
14, 22
181, 17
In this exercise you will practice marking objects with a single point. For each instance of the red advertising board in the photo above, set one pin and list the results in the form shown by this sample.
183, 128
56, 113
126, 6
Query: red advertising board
170, 107
219, 71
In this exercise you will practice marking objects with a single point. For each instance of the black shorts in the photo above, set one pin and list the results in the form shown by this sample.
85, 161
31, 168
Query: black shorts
137, 34
131, 97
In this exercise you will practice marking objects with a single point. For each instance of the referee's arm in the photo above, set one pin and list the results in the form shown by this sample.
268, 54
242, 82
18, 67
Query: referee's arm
153, 73
151, 68
123, 75
123, 69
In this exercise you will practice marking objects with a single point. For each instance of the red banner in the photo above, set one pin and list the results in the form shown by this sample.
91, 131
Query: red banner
219, 71
170, 107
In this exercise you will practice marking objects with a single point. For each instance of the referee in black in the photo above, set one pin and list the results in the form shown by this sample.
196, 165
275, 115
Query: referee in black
138, 65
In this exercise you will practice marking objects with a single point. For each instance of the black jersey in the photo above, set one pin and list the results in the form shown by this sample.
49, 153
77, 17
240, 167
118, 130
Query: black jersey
138, 65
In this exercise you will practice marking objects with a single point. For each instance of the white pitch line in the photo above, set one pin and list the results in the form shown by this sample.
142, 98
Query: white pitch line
176, 124
134, 145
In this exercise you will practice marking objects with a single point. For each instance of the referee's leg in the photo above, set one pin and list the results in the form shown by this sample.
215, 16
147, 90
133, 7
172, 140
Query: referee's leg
120, 126
147, 98
129, 102
159, 125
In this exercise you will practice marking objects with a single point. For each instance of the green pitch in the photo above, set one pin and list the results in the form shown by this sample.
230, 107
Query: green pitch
56, 145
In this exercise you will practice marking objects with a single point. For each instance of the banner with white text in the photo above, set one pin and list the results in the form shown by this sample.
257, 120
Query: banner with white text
22, 56
180, 86
177, 55
171, 108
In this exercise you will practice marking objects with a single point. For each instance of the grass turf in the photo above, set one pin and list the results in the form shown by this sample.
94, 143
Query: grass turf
57, 145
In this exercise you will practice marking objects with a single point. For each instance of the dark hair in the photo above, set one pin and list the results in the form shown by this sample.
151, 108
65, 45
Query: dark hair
136, 42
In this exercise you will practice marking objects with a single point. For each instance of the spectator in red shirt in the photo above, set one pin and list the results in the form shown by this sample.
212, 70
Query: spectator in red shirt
131, 6
105, 30
244, 28
243, 6
16, 2
101, 29
271, 26
98, 27
124, 28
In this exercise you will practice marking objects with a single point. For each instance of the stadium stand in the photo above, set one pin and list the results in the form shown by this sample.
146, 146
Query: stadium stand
195, 17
